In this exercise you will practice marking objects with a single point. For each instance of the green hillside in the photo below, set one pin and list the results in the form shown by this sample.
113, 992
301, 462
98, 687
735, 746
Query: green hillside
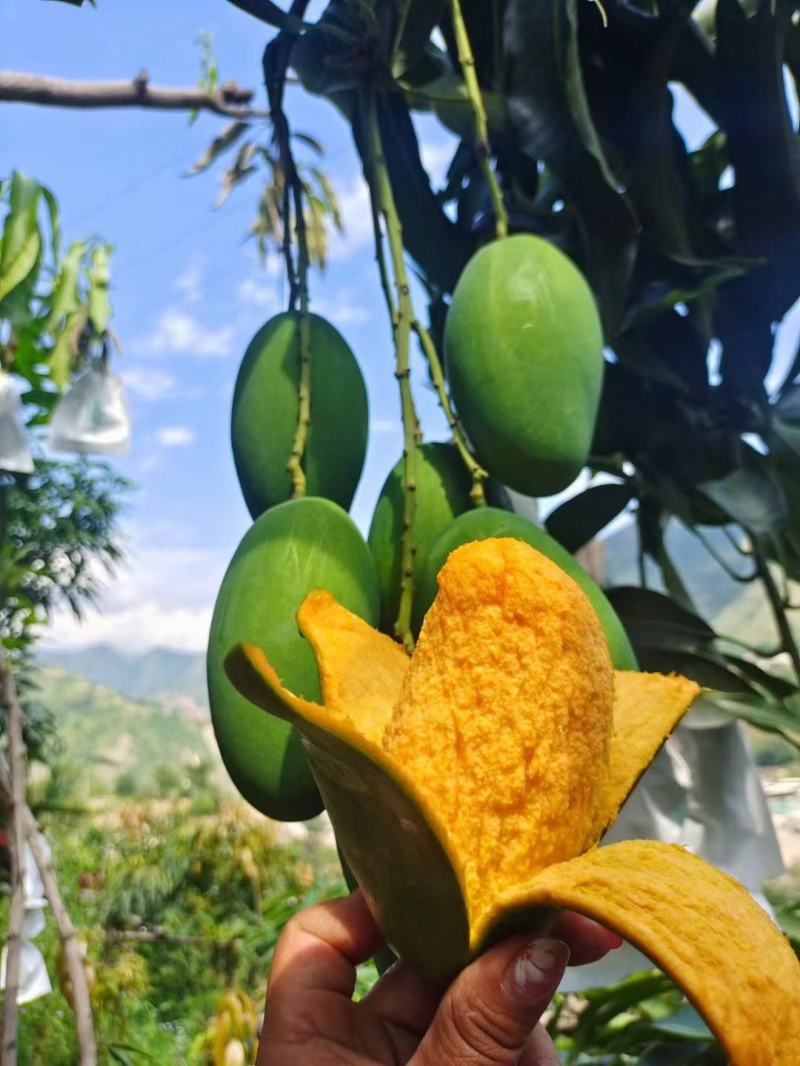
107, 734
156, 674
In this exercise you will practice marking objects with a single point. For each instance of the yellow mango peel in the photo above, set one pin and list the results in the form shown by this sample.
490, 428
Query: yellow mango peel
470, 785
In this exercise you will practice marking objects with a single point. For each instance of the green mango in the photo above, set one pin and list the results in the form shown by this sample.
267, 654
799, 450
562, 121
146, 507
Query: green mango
524, 358
265, 413
485, 522
290, 550
443, 487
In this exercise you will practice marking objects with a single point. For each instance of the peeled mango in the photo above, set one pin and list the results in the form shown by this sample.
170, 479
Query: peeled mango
470, 785
485, 522
265, 413
442, 492
292, 549
524, 359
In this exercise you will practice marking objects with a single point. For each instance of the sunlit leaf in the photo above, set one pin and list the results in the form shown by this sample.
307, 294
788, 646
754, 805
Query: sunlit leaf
99, 276
227, 137
580, 518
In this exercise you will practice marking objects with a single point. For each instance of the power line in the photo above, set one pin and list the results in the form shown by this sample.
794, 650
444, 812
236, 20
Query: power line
137, 183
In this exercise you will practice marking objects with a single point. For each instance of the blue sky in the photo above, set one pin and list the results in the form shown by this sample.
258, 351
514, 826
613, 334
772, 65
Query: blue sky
188, 290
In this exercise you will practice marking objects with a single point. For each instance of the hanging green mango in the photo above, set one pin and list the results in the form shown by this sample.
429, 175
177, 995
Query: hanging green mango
265, 413
442, 492
524, 358
291, 550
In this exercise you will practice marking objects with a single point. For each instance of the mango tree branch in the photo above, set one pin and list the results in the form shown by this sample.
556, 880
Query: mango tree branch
482, 146
229, 99
15, 802
402, 316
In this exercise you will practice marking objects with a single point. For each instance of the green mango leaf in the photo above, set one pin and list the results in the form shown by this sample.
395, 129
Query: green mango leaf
446, 96
782, 717
576, 521
226, 138
65, 299
752, 495
99, 274
686, 1023
64, 349
267, 11
416, 22
21, 240
653, 620
548, 108
18, 269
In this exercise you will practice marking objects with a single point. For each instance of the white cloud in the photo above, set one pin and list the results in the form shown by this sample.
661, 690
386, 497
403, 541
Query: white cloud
386, 425
356, 218
162, 597
180, 333
148, 383
175, 436
190, 283
343, 309
263, 294
436, 156
145, 625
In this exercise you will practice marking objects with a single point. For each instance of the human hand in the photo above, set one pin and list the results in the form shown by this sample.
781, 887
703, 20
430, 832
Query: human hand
489, 1016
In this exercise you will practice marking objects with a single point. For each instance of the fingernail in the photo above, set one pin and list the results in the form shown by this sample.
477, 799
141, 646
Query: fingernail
538, 963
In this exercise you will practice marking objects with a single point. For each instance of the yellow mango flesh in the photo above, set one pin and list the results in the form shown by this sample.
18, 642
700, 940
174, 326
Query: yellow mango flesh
450, 797
505, 714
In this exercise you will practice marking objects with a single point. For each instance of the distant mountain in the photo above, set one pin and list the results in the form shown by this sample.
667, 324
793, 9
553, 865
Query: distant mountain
708, 584
106, 733
161, 674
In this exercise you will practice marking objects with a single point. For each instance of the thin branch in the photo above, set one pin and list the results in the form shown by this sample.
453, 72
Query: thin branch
15, 802
229, 99
476, 471
482, 146
789, 645
732, 573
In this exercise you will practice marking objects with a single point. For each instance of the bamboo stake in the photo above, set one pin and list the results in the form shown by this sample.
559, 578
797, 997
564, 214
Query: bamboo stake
15, 801
87, 1045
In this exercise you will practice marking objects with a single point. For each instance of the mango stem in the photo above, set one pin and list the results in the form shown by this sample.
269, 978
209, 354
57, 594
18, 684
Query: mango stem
401, 313
276, 59
476, 471
482, 146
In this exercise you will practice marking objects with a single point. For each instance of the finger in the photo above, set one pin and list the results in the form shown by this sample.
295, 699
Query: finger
587, 940
539, 1050
319, 950
405, 999
490, 1010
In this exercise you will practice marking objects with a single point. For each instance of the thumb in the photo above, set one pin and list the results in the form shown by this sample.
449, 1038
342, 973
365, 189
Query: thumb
489, 1011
